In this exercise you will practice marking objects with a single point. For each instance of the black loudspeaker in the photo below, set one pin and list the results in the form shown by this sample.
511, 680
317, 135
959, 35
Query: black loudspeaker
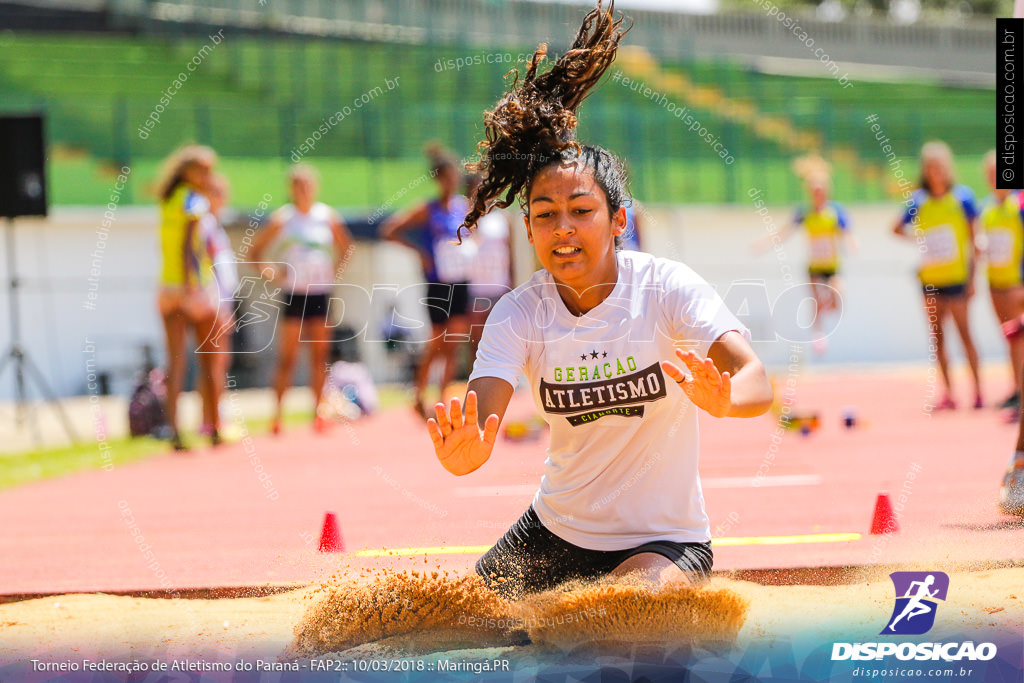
22, 166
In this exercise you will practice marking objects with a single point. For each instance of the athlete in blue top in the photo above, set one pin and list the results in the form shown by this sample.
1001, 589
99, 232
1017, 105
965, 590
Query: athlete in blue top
446, 267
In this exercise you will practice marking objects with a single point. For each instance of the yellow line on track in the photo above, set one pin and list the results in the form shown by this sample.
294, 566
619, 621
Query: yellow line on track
720, 542
787, 540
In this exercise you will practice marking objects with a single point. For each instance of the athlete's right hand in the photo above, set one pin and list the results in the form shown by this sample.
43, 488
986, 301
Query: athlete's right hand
460, 444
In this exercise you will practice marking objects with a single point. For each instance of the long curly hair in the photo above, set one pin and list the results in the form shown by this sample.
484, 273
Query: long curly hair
173, 170
534, 124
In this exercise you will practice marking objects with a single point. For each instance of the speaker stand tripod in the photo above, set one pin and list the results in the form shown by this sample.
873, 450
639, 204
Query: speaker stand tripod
18, 358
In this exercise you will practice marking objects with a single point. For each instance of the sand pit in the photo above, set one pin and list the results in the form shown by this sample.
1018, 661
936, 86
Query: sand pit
99, 625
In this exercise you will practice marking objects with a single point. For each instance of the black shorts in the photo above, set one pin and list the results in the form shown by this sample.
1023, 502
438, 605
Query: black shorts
530, 558
446, 300
822, 275
949, 291
306, 306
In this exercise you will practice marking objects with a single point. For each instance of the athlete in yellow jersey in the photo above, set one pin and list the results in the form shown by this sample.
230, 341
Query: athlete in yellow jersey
186, 296
185, 265
826, 225
1002, 225
940, 218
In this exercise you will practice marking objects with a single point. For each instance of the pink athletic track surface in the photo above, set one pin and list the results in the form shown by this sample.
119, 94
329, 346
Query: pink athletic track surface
206, 522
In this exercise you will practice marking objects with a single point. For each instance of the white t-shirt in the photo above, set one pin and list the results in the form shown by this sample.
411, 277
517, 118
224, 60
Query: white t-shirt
622, 463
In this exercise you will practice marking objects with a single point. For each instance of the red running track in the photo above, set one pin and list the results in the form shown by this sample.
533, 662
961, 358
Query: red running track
204, 520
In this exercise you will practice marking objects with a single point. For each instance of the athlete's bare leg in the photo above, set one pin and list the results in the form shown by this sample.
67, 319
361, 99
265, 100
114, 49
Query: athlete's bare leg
288, 351
456, 336
958, 309
653, 569
941, 310
318, 334
175, 328
1008, 306
434, 349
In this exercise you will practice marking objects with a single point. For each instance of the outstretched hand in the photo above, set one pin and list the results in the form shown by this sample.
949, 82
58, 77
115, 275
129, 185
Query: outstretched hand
460, 444
706, 387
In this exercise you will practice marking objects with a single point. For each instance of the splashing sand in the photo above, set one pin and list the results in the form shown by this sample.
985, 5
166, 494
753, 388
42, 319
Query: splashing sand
625, 610
349, 613
414, 612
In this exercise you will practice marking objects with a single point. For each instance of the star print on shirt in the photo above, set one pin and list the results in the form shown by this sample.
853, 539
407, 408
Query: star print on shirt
583, 356
604, 354
593, 354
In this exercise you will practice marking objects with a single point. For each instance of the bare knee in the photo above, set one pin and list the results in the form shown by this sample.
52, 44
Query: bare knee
653, 569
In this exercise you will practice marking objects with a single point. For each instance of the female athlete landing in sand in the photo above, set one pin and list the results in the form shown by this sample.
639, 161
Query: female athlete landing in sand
593, 331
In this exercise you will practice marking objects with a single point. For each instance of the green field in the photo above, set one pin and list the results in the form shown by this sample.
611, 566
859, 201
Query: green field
362, 186
255, 100
47, 463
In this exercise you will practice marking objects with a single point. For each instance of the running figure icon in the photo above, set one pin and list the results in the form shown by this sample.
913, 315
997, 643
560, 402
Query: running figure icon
917, 606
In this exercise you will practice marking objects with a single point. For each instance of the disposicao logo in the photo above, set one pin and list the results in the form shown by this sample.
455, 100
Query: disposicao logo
916, 596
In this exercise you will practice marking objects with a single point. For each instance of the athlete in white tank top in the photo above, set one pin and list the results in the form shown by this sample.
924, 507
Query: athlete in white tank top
306, 244
311, 239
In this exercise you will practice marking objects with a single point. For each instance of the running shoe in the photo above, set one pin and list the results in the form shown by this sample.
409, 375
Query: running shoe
1012, 401
1011, 493
947, 403
321, 424
176, 443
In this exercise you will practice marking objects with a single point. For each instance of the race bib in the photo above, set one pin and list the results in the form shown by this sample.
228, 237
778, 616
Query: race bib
823, 249
940, 246
453, 261
310, 268
999, 252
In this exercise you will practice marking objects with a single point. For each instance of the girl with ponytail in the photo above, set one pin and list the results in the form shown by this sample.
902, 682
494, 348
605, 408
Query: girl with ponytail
593, 332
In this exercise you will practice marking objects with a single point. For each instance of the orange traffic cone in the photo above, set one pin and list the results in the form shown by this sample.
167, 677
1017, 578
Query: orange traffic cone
884, 521
330, 536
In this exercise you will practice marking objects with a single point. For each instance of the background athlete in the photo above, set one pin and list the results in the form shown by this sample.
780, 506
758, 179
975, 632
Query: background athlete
827, 226
225, 273
1001, 229
447, 269
942, 214
310, 240
187, 297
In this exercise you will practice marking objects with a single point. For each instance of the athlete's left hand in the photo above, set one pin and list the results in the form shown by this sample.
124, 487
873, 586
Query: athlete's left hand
706, 387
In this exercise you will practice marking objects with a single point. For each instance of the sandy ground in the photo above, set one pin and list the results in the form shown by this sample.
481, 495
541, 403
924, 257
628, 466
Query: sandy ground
100, 626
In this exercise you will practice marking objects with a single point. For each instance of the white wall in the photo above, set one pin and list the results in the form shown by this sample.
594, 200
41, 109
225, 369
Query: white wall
883, 321
883, 318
